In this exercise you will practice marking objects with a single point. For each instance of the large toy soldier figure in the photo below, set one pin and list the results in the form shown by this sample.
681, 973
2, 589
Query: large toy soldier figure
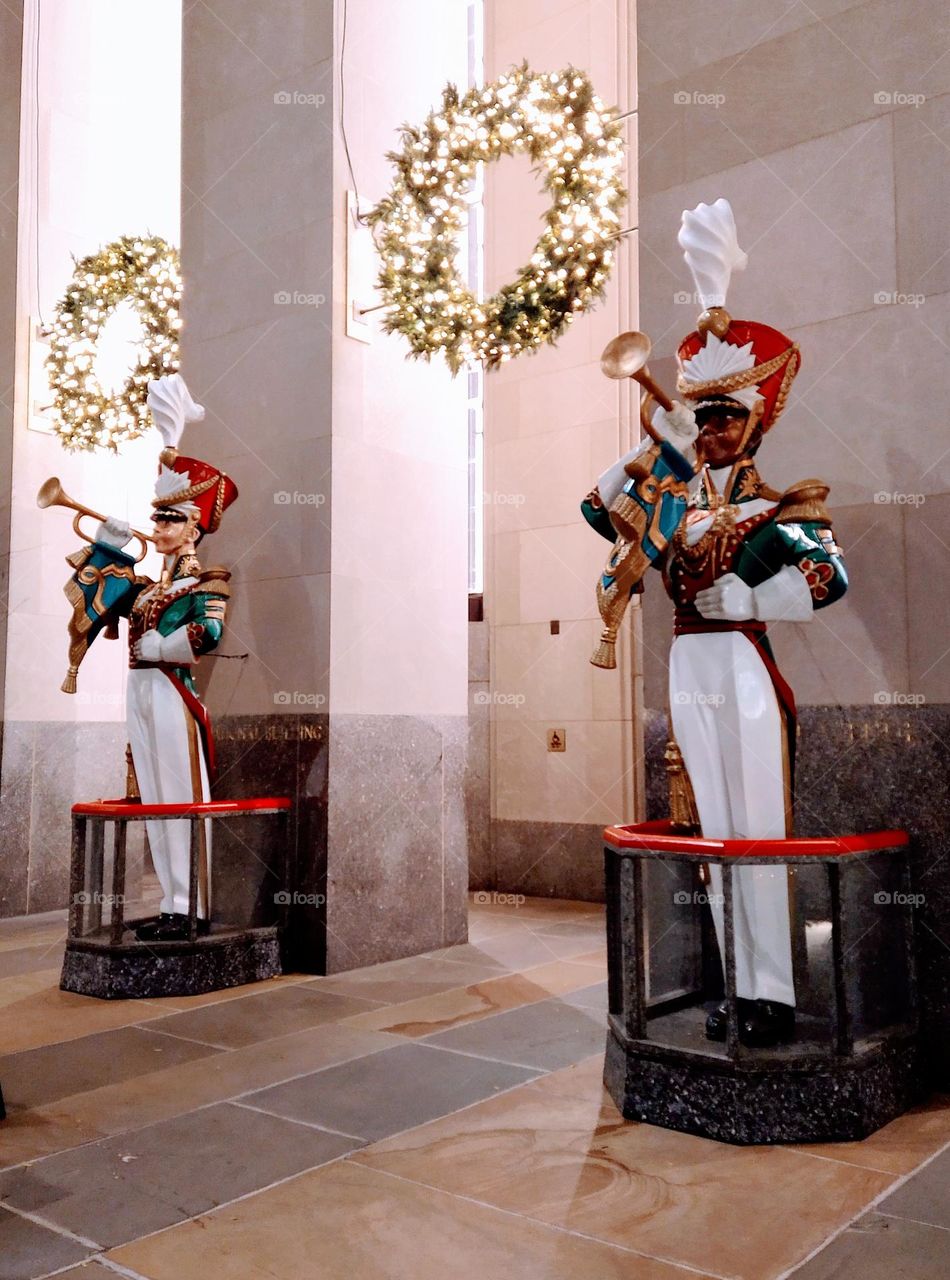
172, 622
735, 555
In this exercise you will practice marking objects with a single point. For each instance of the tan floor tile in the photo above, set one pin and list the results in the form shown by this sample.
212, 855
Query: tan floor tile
33, 1011
87, 1271
596, 957
162, 1095
556, 1150
343, 1222
402, 980
452, 1008
30, 1135
900, 1146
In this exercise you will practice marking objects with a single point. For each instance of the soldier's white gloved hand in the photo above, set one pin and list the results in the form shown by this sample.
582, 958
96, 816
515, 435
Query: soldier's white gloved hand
729, 599
114, 533
149, 647
678, 425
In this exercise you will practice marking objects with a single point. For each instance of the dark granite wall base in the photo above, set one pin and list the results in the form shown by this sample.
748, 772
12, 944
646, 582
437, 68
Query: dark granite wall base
863, 768
548, 859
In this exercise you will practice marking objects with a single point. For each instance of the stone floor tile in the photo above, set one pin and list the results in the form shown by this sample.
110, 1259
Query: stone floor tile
389, 1091
901, 1145
877, 1248
924, 1197
381, 1229
28, 1250
124, 1187
546, 1035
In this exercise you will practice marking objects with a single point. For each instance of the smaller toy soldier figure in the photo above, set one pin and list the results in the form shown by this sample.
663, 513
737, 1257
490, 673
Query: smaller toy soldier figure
172, 622
735, 555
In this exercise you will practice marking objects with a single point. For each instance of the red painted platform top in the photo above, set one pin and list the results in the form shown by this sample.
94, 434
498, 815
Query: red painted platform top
208, 808
661, 838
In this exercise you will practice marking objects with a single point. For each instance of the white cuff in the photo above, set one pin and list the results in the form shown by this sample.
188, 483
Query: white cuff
615, 477
785, 597
176, 648
678, 425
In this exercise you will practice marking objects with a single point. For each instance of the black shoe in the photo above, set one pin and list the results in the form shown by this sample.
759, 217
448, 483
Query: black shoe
767, 1023
173, 927
718, 1020
148, 929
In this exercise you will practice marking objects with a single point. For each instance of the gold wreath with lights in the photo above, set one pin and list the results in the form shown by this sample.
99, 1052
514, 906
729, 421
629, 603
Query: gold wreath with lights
575, 142
144, 271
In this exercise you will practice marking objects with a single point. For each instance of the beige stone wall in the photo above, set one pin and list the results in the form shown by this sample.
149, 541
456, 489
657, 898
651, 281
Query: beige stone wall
826, 126
552, 424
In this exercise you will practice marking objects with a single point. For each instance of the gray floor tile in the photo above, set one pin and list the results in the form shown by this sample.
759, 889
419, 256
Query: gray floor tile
278, 1012
124, 1187
28, 1250
877, 1248
387, 1092
37, 1076
594, 997
547, 1035
925, 1197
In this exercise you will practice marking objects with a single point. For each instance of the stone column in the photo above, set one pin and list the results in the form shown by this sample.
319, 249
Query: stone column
347, 681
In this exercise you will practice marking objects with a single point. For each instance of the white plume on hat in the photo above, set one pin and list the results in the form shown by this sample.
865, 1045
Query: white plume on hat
710, 246
172, 407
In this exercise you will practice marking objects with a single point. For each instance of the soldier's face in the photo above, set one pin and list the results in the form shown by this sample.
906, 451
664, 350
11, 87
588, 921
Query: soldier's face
722, 434
173, 537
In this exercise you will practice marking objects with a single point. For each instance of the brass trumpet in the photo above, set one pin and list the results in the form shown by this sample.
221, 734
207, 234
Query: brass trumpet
626, 356
52, 494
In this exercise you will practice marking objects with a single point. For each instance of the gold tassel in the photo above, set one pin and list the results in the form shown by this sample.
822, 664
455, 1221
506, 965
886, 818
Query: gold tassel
131, 781
605, 655
684, 815
69, 684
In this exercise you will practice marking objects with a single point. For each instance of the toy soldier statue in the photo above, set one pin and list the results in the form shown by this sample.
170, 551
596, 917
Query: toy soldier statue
735, 555
172, 622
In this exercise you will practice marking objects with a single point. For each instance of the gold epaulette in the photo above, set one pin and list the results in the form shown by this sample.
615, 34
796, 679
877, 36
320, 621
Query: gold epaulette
804, 501
214, 580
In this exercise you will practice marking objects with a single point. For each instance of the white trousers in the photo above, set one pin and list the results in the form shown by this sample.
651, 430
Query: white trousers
171, 769
728, 724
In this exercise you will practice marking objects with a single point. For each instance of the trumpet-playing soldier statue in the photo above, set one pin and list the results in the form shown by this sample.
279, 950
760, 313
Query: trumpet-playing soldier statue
171, 622
735, 555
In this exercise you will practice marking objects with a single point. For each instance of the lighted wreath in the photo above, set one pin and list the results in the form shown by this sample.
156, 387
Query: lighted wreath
142, 270
575, 142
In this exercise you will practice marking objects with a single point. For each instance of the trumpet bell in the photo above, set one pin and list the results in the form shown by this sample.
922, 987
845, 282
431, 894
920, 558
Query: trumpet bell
625, 355
51, 493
